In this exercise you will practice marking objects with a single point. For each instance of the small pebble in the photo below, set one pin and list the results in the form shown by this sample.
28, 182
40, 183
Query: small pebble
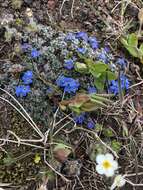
28, 2
29, 12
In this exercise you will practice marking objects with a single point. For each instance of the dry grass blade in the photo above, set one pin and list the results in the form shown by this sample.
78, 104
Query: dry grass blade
42, 187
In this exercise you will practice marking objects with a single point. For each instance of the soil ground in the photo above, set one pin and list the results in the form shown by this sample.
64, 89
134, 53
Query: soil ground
103, 19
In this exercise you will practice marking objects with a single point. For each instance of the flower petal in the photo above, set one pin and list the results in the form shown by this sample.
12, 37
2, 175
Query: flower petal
100, 158
109, 157
115, 165
109, 172
100, 169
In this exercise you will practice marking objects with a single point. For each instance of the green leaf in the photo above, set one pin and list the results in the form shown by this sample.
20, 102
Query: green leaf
133, 51
100, 66
132, 40
111, 75
100, 98
141, 47
90, 106
74, 109
99, 84
124, 42
61, 146
141, 50
131, 44
97, 68
98, 103
100, 81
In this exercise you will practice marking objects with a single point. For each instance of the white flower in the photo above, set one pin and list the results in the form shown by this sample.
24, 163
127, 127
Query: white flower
119, 181
106, 164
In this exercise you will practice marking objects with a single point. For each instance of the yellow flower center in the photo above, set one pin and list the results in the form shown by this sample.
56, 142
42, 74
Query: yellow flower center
107, 164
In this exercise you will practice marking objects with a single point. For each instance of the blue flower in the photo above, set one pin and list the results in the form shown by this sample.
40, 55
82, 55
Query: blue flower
22, 91
25, 46
79, 119
28, 74
91, 89
70, 36
94, 46
27, 77
61, 81
82, 36
69, 84
81, 50
93, 42
69, 64
90, 124
107, 49
35, 53
114, 86
122, 62
103, 57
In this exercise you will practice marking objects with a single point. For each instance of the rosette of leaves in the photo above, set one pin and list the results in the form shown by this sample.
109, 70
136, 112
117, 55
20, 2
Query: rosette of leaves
131, 43
100, 71
86, 102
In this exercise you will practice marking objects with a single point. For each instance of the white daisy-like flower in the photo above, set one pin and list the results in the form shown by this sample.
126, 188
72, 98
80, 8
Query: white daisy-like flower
106, 164
119, 181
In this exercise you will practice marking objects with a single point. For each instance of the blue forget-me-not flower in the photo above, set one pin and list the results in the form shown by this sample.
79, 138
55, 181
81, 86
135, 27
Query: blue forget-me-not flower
82, 36
69, 64
81, 50
93, 42
121, 62
35, 53
22, 91
91, 89
70, 85
79, 119
90, 124
27, 77
114, 86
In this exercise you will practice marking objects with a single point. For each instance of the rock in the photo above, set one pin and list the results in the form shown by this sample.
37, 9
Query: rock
2, 32
4, 4
28, 2
71, 168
